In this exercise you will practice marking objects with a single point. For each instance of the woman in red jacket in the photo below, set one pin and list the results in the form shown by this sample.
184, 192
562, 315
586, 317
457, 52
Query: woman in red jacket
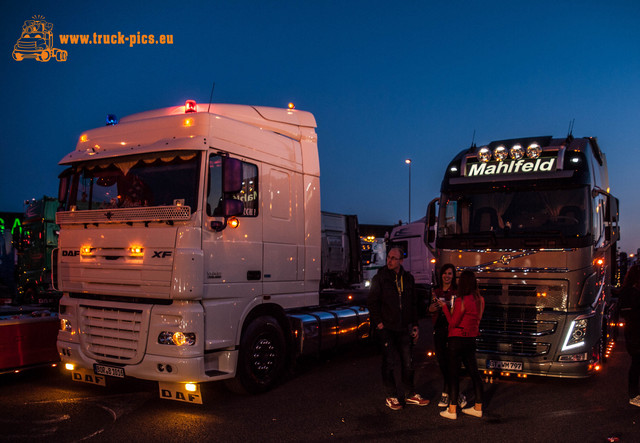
464, 327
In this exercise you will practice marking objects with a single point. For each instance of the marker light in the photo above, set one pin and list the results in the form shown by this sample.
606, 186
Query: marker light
85, 250
190, 106
233, 222
500, 153
291, 106
84, 138
188, 122
112, 120
484, 155
137, 251
598, 261
69, 366
516, 152
533, 150
191, 387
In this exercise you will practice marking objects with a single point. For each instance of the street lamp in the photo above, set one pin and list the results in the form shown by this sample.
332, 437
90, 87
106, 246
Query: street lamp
408, 161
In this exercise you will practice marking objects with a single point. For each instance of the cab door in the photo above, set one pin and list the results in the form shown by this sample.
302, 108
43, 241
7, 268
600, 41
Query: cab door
233, 255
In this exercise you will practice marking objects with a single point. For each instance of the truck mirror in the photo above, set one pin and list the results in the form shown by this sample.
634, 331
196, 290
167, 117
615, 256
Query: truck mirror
231, 175
63, 186
230, 208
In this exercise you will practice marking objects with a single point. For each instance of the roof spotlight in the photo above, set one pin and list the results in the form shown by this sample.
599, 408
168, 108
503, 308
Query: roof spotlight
516, 152
500, 153
533, 150
484, 155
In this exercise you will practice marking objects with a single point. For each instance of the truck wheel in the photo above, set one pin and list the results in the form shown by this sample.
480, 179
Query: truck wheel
61, 55
17, 56
261, 361
44, 56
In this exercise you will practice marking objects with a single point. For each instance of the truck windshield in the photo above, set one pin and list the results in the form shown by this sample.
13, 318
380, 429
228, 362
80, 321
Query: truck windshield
159, 179
511, 213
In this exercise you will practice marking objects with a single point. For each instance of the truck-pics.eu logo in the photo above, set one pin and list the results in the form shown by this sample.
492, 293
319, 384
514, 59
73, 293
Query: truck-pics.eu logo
36, 41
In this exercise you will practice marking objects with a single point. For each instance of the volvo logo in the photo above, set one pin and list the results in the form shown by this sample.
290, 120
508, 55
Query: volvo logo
505, 260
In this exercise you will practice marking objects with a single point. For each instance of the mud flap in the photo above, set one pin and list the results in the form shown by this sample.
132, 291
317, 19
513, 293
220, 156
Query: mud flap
87, 376
178, 391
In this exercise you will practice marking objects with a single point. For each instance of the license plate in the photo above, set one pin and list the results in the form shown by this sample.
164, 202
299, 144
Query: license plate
111, 371
507, 365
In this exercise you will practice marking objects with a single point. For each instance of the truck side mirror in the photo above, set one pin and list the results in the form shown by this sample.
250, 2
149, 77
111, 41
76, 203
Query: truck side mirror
63, 186
231, 175
230, 208
430, 225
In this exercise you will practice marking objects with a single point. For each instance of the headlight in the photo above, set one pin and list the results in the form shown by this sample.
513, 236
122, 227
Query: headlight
177, 338
577, 334
65, 325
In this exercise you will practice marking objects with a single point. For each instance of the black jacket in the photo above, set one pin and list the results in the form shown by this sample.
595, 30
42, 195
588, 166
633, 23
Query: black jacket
396, 313
629, 305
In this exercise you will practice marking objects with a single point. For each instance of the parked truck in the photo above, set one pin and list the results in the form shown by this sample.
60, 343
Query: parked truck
38, 239
190, 250
535, 220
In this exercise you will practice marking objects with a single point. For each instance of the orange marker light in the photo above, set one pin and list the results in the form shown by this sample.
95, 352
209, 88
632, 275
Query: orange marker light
190, 106
291, 106
233, 222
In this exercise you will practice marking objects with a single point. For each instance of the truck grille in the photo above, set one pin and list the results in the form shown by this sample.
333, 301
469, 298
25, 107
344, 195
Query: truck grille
112, 334
517, 348
508, 330
158, 213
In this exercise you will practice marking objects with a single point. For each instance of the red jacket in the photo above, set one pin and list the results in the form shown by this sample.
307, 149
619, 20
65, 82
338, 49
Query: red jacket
465, 320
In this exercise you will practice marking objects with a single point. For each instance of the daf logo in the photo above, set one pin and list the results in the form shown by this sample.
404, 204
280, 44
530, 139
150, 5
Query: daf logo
70, 253
505, 260
161, 254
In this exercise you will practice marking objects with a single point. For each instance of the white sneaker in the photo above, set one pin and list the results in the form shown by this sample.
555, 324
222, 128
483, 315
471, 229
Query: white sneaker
449, 415
635, 401
444, 400
472, 411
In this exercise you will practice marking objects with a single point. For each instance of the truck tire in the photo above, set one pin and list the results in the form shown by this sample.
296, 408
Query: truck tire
44, 56
262, 356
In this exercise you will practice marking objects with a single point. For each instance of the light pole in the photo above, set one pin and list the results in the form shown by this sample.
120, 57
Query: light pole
408, 161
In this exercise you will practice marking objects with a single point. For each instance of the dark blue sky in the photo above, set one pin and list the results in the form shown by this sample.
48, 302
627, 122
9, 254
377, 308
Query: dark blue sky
386, 80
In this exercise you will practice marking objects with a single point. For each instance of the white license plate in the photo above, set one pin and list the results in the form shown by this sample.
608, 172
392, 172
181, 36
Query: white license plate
111, 371
507, 365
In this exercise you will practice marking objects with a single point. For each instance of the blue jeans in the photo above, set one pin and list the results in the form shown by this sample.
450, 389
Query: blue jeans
397, 363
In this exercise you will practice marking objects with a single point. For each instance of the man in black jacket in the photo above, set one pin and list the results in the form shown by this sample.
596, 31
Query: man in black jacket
393, 306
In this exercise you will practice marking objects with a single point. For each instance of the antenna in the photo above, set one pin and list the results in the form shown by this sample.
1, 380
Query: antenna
571, 124
473, 139
213, 86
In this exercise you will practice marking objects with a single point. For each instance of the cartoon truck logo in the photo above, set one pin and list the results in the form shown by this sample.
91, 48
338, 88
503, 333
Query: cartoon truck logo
36, 42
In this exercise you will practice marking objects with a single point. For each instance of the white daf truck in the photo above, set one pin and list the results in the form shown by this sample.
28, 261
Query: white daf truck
190, 249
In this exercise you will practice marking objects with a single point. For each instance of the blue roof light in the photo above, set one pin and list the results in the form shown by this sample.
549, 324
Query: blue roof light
112, 120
